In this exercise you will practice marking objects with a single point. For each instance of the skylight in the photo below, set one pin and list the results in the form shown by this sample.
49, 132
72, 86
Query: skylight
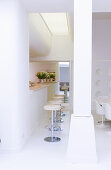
56, 22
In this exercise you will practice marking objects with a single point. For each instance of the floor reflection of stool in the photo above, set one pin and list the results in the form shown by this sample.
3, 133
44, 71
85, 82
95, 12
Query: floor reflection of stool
52, 108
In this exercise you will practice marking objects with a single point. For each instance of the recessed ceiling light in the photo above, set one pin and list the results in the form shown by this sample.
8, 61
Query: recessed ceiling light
63, 64
56, 22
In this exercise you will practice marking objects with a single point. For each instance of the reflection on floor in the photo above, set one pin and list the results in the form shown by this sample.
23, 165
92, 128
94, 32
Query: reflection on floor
103, 142
40, 155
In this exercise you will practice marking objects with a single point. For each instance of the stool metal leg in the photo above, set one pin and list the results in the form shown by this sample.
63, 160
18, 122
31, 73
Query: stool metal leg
65, 92
56, 128
60, 120
52, 126
63, 114
52, 138
66, 97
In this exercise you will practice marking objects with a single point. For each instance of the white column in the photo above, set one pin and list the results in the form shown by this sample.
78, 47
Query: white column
82, 148
13, 74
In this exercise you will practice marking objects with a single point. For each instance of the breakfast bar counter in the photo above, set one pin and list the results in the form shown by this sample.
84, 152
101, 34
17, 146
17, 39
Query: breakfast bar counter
38, 86
39, 95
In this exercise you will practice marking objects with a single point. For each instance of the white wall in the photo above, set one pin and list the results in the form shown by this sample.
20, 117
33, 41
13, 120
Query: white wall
14, 59
37, 99
70, 17
62, 50
40, 38
52, 89
101, 68
71, 67
101, 39
101, 80
35, 67
101, 6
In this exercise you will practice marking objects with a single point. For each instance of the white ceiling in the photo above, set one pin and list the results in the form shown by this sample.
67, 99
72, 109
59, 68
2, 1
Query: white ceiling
63, 5
101, 5
48, 5
41, 6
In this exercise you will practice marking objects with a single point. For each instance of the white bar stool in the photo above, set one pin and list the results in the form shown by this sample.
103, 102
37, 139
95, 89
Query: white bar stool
62, 98
52, 108
58, 98
100, 111
59, 120
65, 89
54, 102
65, 108
61, 95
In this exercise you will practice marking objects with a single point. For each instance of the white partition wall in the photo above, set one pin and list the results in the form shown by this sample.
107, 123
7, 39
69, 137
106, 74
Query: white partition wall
101, 67
101, 79
14, 115
81, 148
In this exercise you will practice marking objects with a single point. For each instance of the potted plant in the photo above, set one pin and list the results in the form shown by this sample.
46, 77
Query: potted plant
41, 76
48, 77
30, 83
52, 76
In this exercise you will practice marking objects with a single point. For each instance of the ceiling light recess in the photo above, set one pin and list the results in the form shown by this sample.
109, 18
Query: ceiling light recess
56, 22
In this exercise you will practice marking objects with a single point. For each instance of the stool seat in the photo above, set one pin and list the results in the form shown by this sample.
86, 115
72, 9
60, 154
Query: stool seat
59, 100
55, 102
65, 87
65, 104
66, 109
58, 97
52, 107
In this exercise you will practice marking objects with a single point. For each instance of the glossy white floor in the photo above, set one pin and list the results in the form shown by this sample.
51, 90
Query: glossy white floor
40, 155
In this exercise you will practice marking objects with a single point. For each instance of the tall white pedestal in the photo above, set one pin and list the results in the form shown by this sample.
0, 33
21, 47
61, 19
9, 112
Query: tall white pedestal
81, 146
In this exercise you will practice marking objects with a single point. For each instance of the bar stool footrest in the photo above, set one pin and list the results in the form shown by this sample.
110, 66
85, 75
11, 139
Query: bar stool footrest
60, 121
56, 129
52, 139
63, 114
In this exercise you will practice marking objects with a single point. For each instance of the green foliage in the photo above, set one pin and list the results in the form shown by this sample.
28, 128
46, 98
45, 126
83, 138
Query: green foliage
48, 77
52, 75
30, 82
45, 75
41, 75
